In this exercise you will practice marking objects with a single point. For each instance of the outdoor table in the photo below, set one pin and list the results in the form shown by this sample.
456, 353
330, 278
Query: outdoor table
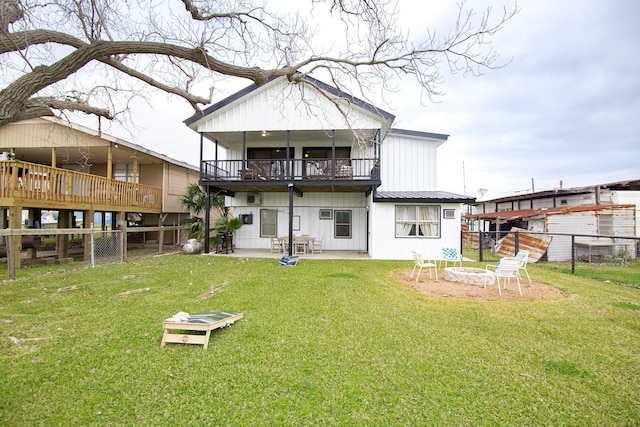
205, 322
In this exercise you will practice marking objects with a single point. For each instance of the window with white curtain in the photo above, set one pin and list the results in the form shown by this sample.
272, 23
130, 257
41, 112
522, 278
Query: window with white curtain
417, 221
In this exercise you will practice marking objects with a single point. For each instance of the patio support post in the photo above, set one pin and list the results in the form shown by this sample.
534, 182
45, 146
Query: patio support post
207, 219
244, 152
201, 152
287, 166
333, 154
290, 186
215, 168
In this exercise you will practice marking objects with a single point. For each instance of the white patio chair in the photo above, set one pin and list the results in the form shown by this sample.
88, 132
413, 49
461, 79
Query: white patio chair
276, 244
419, 263
506, 269
451, 254
523, 256
316, 245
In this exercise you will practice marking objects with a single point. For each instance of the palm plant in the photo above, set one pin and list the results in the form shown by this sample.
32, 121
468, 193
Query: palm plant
195, 200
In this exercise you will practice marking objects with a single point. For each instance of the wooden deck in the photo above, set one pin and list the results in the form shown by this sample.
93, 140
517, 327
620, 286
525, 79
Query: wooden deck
38, 186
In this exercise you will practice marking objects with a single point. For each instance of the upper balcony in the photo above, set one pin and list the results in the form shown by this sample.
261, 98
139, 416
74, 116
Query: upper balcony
316, 175
39, 186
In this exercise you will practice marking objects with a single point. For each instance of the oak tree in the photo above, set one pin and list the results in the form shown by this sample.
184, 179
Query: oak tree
94, 56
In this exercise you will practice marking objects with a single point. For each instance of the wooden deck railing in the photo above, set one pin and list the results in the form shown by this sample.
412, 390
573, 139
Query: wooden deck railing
32, 181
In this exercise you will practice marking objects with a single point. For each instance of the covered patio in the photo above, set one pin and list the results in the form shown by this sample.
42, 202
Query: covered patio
266, 253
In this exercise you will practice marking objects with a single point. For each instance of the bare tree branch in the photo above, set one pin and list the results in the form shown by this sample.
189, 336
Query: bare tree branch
51, 48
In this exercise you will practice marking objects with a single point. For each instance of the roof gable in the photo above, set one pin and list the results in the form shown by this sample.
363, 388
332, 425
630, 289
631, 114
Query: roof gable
279, 105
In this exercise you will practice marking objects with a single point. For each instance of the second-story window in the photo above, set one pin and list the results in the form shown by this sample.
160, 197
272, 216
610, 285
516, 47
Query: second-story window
268, 162
319, 161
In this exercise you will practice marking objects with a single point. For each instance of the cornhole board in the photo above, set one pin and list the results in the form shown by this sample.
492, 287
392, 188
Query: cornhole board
289, 261
178, 332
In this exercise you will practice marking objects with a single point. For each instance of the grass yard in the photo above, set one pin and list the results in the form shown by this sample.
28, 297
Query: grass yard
332, 343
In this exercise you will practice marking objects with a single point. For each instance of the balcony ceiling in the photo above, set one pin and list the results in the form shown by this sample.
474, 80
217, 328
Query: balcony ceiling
273, 137
83, 155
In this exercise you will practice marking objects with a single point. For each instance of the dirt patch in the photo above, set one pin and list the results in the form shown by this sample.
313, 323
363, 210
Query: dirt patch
446, 289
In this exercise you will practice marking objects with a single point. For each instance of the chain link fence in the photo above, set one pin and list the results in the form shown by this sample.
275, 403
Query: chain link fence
107, 247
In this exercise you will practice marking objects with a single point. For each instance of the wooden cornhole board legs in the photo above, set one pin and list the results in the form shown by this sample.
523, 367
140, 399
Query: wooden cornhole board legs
199, 322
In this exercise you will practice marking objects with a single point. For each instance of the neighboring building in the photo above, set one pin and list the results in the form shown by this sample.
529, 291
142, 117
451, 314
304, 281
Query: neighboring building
294, 164
610, 209
614, 193
48, 164
593, 220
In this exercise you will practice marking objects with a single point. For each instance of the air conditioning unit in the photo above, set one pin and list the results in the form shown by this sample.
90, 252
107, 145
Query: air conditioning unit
254, 199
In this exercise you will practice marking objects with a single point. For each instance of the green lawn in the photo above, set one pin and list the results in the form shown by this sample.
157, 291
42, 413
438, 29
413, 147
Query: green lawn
324, 343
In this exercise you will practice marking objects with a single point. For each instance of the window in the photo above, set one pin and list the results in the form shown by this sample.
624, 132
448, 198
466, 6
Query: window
268, 163
605, 225
123, 172
417, 221
268, 222
326, 214
342, 224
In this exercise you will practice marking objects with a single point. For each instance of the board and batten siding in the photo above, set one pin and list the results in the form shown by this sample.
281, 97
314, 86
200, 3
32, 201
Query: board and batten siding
277, 106
385, 245
408, 164
308, 209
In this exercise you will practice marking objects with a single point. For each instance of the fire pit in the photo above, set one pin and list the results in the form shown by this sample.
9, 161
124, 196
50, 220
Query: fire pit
468, 275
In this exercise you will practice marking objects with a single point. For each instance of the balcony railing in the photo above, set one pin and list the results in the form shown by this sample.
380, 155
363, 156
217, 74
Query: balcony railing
32, 181
286, 170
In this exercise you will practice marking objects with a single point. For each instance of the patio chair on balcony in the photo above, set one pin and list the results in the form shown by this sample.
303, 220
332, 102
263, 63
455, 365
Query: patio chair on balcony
419, 263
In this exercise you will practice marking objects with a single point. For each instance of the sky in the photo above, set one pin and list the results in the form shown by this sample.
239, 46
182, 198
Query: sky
563, 111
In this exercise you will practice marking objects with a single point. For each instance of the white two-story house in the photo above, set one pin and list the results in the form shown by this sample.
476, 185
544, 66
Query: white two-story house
296, 159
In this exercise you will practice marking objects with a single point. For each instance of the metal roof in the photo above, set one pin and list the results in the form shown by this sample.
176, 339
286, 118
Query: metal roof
421, 197
418, 134
632, 185
529, 213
